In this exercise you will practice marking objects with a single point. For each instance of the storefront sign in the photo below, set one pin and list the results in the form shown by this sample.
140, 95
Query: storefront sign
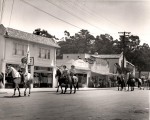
24, 60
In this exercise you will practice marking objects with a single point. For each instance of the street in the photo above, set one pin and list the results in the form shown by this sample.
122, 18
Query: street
103, 104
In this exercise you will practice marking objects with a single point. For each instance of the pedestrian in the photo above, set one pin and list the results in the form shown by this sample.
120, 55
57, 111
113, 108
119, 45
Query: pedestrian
1, 80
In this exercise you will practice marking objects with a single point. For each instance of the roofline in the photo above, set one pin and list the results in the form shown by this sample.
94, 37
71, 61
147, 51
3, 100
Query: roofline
114, 56
6, 35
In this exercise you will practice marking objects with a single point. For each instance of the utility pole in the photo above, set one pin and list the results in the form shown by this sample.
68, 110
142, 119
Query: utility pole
123, 40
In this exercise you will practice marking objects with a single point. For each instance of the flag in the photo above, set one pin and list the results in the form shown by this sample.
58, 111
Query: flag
28, 55
28, 59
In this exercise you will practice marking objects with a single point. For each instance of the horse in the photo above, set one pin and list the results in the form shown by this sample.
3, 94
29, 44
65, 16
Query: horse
131, 83
73, 82
68, 80
120, 82
27, 80
146, 83
16, 78
139, 81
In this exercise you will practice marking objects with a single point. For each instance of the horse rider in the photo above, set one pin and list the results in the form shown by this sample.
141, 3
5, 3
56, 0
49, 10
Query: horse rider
15, 73
65, 72
16, 77
72, 72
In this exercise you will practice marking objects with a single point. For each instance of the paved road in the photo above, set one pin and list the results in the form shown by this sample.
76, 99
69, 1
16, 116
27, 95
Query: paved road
107, 104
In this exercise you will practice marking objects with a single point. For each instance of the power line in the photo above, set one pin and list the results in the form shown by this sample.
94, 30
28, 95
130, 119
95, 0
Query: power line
82, 10
89, 11
102, 17
49, 14
74, 15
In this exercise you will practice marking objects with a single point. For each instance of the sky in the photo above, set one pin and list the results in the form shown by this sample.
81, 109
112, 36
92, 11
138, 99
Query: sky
96, 16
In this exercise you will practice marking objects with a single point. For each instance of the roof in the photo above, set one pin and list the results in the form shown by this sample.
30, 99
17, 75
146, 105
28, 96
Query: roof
112, 56
13, 33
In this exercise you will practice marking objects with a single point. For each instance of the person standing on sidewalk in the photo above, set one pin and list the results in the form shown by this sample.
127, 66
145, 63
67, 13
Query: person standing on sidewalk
1, 80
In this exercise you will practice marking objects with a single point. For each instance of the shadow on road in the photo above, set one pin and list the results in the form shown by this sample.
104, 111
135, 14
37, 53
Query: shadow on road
12, 96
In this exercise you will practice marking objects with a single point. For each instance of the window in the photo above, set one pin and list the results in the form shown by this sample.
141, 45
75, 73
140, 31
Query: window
44, 53
19, 49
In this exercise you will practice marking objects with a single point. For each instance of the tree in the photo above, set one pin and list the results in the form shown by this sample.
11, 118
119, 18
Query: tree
104, 44
81, 42
134, 52
43, 33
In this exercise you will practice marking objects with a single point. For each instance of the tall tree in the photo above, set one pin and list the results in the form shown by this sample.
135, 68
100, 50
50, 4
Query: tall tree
104, 44
81, 42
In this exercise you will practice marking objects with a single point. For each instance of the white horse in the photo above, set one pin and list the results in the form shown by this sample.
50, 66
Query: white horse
16, 78
28, 80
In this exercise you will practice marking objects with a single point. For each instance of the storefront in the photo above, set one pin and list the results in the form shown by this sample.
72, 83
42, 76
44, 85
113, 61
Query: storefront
103, 80
43, 76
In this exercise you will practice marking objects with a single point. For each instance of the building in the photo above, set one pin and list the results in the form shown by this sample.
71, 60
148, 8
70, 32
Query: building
114, 59
90, 70
101, 70
14, 45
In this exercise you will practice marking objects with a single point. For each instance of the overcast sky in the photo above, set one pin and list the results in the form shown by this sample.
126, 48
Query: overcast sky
97, 16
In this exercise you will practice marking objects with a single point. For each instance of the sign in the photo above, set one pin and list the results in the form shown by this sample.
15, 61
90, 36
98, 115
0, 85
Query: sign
31, 61
24, 60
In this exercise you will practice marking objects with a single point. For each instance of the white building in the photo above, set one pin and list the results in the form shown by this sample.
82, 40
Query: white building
13, 47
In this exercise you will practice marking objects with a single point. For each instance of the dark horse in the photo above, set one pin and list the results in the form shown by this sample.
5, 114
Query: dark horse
121, 82
68, 80
131, 83
139, 81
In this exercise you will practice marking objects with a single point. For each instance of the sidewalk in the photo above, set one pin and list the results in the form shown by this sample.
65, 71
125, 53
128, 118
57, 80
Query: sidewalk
11, 90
